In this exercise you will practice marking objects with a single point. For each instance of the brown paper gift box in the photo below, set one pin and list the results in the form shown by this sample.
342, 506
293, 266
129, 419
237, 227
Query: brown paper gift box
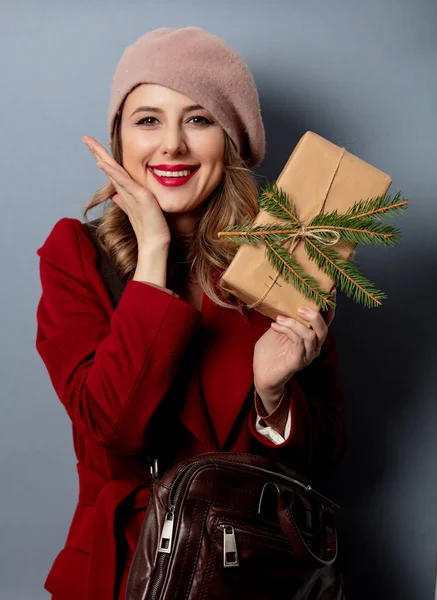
318, 176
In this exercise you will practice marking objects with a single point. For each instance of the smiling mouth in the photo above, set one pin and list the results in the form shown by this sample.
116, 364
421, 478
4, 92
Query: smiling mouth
174, 174
174, 181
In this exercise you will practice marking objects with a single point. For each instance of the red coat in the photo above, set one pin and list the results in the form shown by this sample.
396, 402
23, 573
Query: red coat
128, 380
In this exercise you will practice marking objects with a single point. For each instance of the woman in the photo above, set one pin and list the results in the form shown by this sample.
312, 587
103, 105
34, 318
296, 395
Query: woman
178, 367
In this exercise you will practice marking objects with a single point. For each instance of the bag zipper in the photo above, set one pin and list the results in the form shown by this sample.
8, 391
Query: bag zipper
230, 549
166, 538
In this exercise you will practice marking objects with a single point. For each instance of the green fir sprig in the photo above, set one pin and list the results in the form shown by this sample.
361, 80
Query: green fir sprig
361, 224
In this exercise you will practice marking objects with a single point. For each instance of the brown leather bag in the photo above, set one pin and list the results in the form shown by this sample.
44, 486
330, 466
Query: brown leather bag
231, 526
228, 526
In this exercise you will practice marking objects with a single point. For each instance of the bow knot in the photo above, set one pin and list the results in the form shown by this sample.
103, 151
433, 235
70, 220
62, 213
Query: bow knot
316, 234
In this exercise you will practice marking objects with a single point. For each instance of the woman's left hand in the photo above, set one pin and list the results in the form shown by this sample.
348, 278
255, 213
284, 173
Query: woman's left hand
286, 348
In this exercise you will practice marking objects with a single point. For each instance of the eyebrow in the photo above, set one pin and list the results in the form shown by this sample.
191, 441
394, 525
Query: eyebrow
159, 110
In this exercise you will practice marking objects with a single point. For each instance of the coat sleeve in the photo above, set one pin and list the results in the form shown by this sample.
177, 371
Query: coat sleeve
270, 431
318, 438
110, 368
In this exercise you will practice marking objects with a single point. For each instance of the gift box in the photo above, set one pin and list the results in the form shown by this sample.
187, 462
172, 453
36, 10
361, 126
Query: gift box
318, 177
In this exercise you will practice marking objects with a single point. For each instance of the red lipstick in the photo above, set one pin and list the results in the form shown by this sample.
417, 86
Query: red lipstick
173, 181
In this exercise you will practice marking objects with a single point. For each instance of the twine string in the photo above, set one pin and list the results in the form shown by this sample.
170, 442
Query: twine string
315, 233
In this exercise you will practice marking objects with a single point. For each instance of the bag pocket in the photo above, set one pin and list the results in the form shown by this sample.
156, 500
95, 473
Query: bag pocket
247, 558
231, 532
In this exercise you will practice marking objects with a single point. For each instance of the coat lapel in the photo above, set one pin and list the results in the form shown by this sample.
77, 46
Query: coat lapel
226, 363
219, 387
194, 414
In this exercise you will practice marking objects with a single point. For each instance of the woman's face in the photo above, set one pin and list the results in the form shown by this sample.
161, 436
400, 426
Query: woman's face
158, 127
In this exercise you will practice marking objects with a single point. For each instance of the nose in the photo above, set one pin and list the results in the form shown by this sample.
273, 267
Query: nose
173, 141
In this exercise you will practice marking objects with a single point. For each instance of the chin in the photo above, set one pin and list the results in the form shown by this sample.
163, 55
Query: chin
176, 205
173, 207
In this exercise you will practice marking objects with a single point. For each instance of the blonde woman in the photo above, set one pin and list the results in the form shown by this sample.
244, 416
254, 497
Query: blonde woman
178, 367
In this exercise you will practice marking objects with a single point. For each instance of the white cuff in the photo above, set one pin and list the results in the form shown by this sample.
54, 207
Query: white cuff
271, 434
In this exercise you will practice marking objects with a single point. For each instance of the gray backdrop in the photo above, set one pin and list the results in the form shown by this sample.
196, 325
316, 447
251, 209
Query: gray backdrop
360, 73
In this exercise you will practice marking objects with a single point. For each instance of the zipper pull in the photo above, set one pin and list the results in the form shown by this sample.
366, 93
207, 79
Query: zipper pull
153, 467
167, 532
230, 552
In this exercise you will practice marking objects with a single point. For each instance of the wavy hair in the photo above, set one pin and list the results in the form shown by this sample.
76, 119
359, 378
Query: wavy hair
234, 201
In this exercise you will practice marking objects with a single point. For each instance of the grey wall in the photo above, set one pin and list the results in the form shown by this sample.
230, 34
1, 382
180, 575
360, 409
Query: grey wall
360, 73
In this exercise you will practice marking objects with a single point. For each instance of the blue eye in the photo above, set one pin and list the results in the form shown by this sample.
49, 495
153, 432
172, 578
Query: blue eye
205, 121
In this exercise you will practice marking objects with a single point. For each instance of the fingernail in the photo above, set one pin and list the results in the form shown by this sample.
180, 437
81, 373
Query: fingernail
281, 319
304, 311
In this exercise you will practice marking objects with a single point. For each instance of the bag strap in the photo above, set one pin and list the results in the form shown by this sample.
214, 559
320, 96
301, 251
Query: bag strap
329, 546
113, 283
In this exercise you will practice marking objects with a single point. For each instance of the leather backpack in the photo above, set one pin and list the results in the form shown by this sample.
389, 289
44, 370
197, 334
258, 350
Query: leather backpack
227, 526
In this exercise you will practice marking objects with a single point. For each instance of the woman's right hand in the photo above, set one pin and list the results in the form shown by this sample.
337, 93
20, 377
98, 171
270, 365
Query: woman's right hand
140, 205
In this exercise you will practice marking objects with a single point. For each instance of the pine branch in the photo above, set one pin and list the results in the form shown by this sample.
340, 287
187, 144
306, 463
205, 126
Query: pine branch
247, 234
349, 279
379, 206
277, 203
357, 230
290, 271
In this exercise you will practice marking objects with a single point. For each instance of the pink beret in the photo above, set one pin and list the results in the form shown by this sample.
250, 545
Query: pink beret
200, 65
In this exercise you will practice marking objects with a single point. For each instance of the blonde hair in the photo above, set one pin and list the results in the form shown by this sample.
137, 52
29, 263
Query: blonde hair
234, 201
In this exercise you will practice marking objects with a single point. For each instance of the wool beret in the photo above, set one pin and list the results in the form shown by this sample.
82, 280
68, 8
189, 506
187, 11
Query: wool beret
202, 66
